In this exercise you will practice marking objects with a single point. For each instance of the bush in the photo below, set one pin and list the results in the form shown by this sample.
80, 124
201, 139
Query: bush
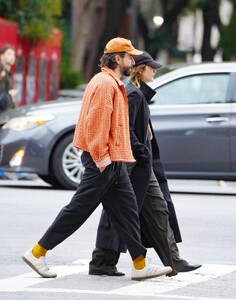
70, 79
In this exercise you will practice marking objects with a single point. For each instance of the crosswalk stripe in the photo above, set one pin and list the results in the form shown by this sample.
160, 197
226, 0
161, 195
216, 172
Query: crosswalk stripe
23, 281
150, 288
77, 291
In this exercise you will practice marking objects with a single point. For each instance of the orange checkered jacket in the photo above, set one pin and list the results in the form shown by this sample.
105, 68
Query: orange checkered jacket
103, 125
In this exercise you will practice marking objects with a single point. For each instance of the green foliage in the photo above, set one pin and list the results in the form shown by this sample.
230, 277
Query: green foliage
201, 4
69, 79
35, 18
228, 38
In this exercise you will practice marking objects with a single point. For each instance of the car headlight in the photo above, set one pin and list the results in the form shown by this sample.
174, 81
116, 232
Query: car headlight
27, 122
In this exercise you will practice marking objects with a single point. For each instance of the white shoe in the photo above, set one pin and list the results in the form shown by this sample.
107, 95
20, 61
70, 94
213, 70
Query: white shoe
149, 272
38, 265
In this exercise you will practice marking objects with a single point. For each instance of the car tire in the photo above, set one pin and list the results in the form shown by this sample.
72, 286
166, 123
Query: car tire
66, 163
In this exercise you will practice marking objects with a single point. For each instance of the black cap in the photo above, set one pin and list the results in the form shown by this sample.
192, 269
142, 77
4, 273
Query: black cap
146, 59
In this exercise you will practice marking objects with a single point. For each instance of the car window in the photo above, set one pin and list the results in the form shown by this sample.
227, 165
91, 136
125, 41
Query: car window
196, 89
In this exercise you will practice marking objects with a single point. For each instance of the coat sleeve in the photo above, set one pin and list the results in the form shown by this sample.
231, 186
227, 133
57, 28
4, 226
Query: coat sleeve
99, 124
6, 101
135, 104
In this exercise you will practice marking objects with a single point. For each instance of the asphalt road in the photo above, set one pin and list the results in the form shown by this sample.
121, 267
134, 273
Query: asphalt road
207, 223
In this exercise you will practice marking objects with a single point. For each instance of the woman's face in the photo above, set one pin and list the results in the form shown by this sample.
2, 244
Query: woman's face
148, 74
8, 58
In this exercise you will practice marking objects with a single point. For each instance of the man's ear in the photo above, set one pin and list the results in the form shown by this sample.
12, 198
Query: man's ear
118, 58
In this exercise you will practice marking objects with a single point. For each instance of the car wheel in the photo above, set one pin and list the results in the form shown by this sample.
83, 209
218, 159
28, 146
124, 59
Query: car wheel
67, 167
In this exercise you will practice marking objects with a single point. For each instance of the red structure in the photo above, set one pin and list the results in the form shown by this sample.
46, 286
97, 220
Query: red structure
8, 33
36, 72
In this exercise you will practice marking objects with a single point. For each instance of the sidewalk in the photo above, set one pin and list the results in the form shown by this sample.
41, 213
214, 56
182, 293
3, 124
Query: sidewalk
188, 186
202, 186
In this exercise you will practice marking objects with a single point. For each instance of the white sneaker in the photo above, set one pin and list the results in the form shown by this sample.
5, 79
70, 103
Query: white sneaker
38, 265
149, 272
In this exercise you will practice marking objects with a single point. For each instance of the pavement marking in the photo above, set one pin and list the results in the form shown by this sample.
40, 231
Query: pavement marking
20, 282
158, 286
76, 291
151, 288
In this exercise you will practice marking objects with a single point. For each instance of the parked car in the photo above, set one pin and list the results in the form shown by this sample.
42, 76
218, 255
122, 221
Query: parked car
193, 115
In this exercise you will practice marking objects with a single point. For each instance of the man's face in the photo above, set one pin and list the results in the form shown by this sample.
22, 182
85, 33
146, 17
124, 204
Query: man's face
126, 65
8, 58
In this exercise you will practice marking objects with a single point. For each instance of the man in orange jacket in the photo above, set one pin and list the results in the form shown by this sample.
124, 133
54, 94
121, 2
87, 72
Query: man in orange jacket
102, 132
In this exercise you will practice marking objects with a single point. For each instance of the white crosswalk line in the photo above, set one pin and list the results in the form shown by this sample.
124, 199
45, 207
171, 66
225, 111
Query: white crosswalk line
163, 285
150, 288
23, 281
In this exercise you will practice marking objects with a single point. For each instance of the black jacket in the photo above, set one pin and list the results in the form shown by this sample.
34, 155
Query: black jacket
139, 116
6, 101
147, 155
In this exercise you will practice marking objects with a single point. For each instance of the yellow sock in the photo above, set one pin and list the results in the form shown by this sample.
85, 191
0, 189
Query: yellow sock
39, 251
139, 262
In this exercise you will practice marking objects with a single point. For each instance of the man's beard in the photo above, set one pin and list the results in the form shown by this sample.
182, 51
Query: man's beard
126, 71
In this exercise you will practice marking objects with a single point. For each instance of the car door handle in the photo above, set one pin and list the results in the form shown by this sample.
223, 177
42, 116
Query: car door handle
217, 119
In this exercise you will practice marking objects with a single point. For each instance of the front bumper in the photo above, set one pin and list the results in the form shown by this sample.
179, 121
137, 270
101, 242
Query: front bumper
37, 145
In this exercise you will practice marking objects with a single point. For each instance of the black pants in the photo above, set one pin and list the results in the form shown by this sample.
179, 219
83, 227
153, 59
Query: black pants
113, 188
155, 227
155, 230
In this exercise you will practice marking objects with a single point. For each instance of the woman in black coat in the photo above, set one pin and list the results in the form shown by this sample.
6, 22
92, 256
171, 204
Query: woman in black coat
6, 101
159, 224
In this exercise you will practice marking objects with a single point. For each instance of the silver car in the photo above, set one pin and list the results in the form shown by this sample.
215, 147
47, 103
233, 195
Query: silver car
193, 115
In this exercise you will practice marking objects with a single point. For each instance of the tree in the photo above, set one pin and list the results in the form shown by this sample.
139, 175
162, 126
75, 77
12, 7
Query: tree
227, 43
35, 18
228, 36
94, 23
165, 37
211, 17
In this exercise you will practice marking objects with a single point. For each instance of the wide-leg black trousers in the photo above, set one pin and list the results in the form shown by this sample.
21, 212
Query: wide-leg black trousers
114, 190
155, 230
155, 227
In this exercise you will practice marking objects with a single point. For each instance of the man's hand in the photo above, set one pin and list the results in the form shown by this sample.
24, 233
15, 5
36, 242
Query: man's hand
12, 92
102, 169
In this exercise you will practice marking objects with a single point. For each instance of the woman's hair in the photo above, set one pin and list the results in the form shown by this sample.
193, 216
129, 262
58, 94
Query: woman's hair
109, 60
136, 75
5, 48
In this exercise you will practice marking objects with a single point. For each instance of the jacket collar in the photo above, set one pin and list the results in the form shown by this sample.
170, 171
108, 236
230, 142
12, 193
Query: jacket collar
112, 74
147, 91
